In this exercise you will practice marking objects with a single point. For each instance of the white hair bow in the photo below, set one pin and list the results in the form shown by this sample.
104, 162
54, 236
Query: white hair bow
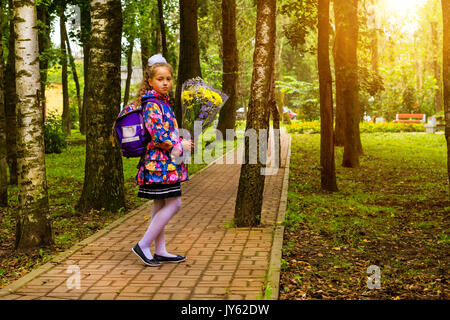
157, 58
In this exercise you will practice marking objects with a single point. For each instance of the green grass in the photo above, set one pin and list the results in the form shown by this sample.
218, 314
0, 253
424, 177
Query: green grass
391, 212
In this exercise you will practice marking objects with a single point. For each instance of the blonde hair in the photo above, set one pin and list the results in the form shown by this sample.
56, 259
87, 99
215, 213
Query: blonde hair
149, 73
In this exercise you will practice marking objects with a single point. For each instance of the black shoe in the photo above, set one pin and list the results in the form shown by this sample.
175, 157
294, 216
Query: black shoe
169, 259
150, 262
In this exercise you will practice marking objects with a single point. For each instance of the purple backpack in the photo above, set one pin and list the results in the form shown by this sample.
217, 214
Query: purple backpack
130, 132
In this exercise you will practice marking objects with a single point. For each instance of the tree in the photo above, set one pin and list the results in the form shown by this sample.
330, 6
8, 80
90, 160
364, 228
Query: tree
64, 79
145, 35
103, 181
346, 71
74, 70
33, 228
162, 27
436, 65
3, 162
85, 36
251, 181
328, 173
10, 101
227, 115
44, 23
130, 31
446, 75
189, 59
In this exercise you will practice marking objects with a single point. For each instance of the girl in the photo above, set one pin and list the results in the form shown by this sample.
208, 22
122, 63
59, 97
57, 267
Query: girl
159, 175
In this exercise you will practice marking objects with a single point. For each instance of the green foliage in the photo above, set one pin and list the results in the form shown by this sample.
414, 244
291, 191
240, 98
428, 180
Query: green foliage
310, 127
212, 70
302, 17
54, 136
303, 96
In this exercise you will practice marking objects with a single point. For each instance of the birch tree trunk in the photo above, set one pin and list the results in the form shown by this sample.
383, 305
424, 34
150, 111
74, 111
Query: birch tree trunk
251, 182
103, 181
446, 76
33, 228
328, 172
227, 115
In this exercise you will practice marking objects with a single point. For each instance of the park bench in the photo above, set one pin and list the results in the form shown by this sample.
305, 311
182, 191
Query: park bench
410, 118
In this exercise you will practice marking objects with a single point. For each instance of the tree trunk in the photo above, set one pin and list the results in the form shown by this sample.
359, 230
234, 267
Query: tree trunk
278, 94
375, 57
10, 102
189, 61
227, 115
103, 181
126, 95
275, 112
44, 44
66, 121
145, 36
446, 76
436, 66
162, 27
3, 162
327, 163
85, 11
33, 228
346, 70
74, 72
251, 182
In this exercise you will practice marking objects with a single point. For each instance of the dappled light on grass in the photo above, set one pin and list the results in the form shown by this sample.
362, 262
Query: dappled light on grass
392, 212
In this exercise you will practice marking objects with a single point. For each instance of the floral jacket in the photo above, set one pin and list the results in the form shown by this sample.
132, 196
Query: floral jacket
158, 164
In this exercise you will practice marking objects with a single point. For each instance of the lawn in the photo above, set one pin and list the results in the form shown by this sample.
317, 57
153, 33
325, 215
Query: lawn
392, 213
65, 176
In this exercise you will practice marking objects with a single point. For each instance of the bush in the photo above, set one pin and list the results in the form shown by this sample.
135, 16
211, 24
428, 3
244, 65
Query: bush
369, 127
364, 127
304, 127
54, 136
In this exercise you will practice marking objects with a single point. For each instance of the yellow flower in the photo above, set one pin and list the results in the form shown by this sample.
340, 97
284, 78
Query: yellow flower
186, 95
171, 167
217, 98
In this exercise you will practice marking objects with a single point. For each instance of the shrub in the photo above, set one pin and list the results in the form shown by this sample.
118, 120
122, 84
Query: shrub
54, 136
364, 127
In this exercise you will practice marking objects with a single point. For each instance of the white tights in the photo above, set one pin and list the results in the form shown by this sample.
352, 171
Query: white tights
163, 211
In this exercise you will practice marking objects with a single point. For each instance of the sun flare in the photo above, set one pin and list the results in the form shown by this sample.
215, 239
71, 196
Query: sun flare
403, 6
402, 13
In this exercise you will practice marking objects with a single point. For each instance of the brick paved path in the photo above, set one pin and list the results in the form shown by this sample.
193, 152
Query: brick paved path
222, 262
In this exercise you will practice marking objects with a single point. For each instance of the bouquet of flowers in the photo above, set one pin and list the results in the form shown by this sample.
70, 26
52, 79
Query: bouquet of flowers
200, 102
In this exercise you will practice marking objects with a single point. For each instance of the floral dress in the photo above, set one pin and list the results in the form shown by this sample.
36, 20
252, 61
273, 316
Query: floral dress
159, 165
